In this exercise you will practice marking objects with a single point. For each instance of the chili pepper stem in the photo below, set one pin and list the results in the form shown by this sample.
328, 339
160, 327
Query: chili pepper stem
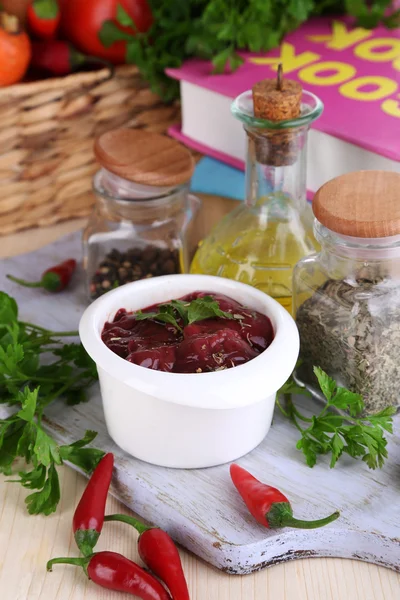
78, 562
281, 515
138, 525
86, 540
31, 284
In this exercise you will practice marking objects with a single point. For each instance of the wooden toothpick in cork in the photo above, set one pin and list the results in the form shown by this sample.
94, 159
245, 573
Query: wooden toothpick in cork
279, 77
276, 100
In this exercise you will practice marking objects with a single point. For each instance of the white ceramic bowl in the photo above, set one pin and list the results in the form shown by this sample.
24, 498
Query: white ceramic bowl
189, 420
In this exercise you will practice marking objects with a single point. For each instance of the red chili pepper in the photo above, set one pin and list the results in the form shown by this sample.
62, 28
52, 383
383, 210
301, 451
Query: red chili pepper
60, 58
44, 18
56, 56
159, 553
268, 505
54, 279
89, 514
115, 572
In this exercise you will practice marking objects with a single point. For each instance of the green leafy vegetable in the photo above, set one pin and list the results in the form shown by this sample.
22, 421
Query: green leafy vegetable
187, 312
217, 29
205, 308
123, 17
30, 386
346, 430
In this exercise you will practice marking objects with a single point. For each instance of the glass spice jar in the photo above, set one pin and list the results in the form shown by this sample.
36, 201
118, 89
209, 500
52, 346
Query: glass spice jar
142, 222
347, 297
261, 240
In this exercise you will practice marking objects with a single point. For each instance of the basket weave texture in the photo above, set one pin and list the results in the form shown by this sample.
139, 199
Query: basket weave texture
47, 129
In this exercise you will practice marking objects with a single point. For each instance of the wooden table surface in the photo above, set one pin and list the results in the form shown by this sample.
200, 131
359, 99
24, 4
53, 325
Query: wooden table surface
27, 542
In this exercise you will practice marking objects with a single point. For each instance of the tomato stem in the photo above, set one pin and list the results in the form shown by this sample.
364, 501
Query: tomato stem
10, 23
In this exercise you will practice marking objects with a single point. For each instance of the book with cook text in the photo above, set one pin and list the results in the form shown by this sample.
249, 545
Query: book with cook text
355, 72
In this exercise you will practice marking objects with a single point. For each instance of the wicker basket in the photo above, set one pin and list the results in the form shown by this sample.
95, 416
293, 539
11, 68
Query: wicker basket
46, 138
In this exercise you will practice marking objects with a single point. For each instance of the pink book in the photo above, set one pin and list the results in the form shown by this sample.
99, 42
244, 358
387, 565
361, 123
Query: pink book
355, 72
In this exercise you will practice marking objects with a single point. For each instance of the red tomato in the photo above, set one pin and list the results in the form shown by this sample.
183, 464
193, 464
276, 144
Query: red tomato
83, 19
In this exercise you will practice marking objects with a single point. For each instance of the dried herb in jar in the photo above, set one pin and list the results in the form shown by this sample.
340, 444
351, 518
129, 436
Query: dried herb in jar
351, 329
119, 267
348, 295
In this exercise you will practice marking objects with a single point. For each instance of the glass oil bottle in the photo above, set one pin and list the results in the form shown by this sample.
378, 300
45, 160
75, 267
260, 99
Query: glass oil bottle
260, 241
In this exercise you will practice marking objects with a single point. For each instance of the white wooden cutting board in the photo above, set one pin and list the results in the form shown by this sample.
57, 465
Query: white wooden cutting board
200, 508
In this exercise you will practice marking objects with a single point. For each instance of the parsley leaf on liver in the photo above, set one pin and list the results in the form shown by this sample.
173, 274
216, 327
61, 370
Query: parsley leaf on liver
189, 312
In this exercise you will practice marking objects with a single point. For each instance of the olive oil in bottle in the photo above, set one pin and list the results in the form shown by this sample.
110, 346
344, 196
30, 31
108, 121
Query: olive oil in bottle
256, 248
260, 242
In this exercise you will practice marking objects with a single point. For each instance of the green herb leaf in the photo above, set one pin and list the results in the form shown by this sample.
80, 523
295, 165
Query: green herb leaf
348, 432
46, 500
164, 317
123, 18
87, 439
10, 434
8, 309
221, 60
85, 458
27, 441
76, 396
346, 400
368, 15
337, 446
110, 33
10, 359
46, 9
30, 387
383, 421
190, 312
327, 385
46, 449
291, 387
33, 480
28, 400
181, 308
392, 21
310, 450
76, 354
206, 308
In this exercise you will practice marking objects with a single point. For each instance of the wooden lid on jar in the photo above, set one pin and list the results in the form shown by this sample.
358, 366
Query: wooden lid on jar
363, 204
144, 157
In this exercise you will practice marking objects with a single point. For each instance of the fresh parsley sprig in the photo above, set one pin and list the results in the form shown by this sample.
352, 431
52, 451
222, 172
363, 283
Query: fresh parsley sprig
29, 386
340, 427
187, 312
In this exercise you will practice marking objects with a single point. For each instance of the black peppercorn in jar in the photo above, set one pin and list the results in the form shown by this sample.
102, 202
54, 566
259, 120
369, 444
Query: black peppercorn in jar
142, 222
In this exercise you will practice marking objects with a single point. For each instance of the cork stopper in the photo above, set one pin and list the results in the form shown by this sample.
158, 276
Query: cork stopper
144, 157
364, 204
277, 100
